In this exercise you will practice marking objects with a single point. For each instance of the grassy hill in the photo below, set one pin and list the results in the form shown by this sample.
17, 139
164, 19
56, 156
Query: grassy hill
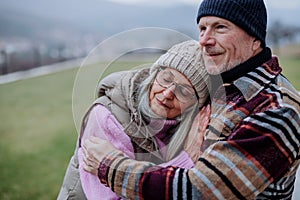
38, 133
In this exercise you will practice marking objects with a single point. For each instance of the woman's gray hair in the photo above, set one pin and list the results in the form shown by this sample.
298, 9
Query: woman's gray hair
184, 120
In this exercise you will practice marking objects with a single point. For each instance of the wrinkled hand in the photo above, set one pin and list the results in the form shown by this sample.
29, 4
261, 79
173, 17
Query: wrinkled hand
94, 150
196, 135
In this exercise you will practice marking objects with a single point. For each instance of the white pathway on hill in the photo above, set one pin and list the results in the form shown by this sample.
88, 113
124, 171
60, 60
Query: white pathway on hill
39, 71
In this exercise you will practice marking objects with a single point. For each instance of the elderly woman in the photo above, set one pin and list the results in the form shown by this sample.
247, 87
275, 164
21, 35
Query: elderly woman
147, 114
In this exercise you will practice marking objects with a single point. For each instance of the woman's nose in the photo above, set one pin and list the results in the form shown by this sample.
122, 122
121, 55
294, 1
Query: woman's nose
169, 92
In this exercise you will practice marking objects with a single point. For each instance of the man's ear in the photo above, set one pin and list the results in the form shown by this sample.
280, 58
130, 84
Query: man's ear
256, 44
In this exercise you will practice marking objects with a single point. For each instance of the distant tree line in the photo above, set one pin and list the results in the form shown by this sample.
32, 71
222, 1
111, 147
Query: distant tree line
281, 34
13, 58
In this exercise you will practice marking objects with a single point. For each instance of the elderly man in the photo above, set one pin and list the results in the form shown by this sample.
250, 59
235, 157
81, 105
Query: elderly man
251, 146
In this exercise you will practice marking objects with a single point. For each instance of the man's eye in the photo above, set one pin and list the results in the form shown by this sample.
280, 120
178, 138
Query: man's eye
202, 28
221, 26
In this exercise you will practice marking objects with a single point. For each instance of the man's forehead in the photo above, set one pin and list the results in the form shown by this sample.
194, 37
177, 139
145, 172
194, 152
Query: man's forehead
213, 19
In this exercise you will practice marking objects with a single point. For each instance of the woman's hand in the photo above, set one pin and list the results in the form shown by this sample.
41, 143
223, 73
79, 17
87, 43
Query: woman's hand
196, 135
94, 150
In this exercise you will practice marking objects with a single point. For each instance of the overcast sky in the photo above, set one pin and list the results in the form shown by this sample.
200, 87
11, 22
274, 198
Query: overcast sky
292, 4
287, 11
156, 2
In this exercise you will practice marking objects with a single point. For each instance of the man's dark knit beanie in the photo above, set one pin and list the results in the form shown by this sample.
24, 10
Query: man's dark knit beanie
250, 15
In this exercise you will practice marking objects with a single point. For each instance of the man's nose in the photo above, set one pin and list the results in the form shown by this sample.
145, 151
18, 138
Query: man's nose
206, 38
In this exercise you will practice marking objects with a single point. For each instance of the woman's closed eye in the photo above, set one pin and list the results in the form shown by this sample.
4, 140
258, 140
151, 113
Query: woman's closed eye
184, 91
167, 80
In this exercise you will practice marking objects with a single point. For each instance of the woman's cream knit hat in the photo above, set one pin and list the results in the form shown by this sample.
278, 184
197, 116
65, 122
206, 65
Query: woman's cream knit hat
186, 58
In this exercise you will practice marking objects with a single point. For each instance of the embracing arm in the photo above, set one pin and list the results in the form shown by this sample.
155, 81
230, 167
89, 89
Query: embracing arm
102, 124
259, 151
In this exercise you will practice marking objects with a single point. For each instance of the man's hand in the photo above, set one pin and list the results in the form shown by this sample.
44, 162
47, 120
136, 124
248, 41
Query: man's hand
94, 150
196, 135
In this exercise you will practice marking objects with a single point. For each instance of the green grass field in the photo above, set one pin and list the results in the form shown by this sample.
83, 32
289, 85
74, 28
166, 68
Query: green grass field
38, 134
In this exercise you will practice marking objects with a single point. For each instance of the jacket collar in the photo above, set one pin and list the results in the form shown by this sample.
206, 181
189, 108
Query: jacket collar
253, 82
247, 66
